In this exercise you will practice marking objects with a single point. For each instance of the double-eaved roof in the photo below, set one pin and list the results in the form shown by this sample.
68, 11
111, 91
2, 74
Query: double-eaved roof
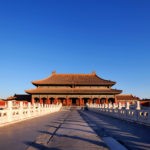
73, 79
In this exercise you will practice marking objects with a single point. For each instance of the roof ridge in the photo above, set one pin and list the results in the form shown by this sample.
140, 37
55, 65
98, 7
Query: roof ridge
73, 74
125, 95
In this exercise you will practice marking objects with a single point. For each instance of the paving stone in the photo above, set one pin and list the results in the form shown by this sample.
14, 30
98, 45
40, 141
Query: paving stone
75, 133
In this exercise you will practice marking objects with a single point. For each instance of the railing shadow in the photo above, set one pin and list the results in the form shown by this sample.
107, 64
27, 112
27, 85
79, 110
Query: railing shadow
75, 137
108, 126
40, 146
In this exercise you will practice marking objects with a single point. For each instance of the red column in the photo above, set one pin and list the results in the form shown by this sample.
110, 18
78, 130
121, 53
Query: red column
81, 102
64, 102
55, 101
116, 100
106, 100
48, 101
98, 101
77, 102
70, 101
41, 101
91, 100
67, 102
59, 101
32, 100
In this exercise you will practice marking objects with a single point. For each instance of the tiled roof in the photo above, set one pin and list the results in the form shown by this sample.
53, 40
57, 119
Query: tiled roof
126, 97
73, 79
11, 98
19, 97
72, 91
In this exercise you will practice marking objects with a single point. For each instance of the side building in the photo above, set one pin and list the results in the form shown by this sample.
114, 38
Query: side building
127, 98
73, 89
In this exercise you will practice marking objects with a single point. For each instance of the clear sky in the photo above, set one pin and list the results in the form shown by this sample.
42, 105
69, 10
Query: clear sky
111, 37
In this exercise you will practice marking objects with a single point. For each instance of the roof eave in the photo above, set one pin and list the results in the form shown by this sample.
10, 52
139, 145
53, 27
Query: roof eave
34, 92
111, 84
27, 91
119, 91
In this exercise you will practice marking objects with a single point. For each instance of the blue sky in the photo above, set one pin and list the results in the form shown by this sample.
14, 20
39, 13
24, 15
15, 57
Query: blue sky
75, 36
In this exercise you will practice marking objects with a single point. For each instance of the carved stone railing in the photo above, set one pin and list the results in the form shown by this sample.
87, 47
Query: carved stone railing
116, 110
14, 113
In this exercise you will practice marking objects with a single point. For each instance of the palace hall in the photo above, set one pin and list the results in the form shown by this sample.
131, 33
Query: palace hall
73, 89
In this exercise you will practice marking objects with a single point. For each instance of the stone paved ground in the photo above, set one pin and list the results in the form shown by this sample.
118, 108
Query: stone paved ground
133, 136
61, 130
75, 134
73, 130
20, 135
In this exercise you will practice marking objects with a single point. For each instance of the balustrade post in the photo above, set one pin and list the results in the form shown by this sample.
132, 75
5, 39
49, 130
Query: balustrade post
105, 105
29, 109
127, 105
34, 110
138, 106
119, 106
114, 105
100, 105
9, 111
39, 109
21, 110
109, 105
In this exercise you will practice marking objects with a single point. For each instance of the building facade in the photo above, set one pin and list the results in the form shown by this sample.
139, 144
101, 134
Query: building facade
73, 89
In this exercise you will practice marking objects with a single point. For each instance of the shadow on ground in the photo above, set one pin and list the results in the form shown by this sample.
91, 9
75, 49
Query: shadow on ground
40, 146
129, 134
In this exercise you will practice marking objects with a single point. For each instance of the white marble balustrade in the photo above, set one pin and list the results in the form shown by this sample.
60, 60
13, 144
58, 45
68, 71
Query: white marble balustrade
14, 113
118, 111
